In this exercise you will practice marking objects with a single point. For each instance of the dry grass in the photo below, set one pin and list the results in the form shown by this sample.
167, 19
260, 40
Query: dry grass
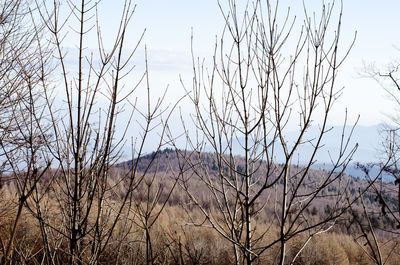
174, 237
176, 241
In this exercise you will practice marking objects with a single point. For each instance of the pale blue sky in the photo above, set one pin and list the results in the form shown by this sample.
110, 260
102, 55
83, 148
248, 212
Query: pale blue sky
169, 24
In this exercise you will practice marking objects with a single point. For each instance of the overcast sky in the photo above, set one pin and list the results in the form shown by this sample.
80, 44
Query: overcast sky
169, 24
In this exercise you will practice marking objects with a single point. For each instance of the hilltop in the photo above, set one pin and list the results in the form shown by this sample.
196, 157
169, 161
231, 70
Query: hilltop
169, 166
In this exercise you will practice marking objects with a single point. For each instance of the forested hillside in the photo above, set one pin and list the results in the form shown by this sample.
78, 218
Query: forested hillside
166, 225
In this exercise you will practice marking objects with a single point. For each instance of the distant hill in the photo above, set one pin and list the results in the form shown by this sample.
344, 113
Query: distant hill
165, 166
368, 138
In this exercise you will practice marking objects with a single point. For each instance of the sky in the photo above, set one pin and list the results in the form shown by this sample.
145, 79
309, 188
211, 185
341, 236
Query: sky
169, 25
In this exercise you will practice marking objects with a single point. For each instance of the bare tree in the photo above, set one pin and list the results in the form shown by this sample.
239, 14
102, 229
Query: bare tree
265, 76
81, 204
23, 66
383, 184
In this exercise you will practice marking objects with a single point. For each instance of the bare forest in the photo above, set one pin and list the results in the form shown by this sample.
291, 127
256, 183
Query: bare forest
229, 187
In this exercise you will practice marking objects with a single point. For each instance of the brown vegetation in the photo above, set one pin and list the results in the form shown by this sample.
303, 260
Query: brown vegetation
176, 240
